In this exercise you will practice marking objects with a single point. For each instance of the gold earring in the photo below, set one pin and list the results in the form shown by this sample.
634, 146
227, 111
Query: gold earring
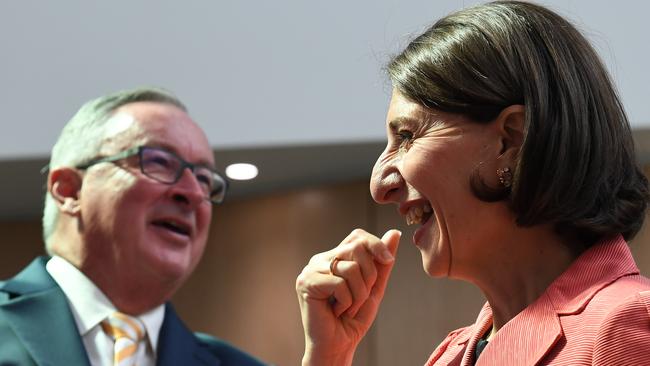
505, 176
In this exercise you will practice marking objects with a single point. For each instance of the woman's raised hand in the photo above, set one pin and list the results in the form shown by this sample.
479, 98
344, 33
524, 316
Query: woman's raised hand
339, 293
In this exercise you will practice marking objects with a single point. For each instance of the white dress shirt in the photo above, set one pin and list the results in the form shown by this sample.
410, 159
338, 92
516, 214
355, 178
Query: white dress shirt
90, 307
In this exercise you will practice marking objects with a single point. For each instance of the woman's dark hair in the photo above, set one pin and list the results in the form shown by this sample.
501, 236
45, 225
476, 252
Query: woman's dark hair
576, 166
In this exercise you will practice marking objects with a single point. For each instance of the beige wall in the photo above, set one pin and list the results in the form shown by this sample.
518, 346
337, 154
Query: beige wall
243, 290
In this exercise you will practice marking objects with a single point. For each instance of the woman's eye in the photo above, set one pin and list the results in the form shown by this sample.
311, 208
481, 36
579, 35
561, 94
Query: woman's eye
405, 135
404, 139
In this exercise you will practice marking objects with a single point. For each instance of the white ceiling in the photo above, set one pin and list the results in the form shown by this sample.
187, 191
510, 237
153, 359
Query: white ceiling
253, 73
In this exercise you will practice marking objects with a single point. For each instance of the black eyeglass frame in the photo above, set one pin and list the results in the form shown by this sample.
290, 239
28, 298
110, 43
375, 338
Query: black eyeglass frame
138, 150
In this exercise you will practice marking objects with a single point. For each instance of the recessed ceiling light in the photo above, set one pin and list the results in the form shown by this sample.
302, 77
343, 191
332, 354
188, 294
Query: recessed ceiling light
241, 171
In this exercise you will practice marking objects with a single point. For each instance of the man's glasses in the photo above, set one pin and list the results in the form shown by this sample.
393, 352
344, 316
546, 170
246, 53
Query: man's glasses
167, 167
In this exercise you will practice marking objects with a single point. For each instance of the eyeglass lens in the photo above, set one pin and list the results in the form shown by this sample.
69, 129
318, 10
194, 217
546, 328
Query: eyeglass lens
166, 167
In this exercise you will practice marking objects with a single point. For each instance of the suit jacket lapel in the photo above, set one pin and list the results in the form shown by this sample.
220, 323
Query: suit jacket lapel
526, 338
39, 315
177, 345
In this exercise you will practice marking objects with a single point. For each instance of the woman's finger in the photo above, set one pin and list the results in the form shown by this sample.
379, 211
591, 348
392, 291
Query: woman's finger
350, 271
373, 245
315, 286
367, 313
363, 248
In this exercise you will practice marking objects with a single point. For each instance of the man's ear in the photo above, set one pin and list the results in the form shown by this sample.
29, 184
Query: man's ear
510, 127
64, 185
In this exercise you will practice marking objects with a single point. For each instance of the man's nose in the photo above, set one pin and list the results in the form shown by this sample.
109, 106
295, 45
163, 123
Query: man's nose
385, 181
188, 189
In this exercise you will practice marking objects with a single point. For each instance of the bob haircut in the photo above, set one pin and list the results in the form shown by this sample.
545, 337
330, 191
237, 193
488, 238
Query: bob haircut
576, 168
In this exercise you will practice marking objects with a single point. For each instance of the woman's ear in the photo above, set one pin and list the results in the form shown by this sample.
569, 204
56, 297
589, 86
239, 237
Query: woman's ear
64, 185
510, 127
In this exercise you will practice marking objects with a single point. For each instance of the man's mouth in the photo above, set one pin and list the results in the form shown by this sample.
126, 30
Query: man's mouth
175, 226
419, 214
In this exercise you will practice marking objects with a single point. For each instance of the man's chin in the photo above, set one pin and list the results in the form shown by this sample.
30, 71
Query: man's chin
170, 258
170, 268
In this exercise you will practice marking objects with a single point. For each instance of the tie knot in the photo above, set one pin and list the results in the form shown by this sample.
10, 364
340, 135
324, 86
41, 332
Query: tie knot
120, 325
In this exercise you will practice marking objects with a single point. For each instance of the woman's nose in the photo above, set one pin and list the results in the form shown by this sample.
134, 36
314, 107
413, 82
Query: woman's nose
385, 181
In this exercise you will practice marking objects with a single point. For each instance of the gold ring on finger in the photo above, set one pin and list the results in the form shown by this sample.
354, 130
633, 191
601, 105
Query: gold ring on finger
333, 264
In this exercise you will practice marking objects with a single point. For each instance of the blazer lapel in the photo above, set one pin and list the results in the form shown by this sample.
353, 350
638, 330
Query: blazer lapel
177, 345
526, 338
483, 322
39, 315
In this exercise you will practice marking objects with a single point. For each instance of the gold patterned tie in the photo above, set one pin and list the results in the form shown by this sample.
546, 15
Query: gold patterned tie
127, 332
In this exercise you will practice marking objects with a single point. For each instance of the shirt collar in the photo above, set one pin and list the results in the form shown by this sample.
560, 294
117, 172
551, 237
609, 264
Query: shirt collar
153, 320
90, 306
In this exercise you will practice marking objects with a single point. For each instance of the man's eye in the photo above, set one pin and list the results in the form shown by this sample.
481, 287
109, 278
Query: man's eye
159, 160
204, 179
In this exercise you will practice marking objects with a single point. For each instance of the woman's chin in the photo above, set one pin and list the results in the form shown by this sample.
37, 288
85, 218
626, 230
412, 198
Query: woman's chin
435, 271
435, 260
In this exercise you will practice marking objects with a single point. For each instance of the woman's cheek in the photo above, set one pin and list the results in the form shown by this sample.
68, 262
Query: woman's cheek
416, 162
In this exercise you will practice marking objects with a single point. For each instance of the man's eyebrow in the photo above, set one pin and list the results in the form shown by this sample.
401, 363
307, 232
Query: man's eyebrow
172, 149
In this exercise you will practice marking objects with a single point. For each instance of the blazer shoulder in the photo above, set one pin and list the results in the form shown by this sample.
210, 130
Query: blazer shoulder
4, 294
227, 354
624, 335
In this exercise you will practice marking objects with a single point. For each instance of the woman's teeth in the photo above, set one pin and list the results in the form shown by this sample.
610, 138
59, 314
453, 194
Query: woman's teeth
415, 214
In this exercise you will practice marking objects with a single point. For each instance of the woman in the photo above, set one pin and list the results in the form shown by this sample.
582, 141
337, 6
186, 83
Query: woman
508, 147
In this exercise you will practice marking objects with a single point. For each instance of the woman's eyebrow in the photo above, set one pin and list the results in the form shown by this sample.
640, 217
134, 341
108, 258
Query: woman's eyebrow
398, 122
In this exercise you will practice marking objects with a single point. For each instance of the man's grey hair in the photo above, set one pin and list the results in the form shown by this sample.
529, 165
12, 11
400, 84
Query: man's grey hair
82, 137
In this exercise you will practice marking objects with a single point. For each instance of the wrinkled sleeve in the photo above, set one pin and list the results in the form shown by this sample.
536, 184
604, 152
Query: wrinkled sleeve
624, 336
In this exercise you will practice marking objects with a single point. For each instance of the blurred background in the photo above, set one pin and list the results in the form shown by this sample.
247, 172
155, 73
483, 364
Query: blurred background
296, 88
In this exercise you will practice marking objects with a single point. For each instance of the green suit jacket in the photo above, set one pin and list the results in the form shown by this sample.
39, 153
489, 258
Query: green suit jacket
37, 328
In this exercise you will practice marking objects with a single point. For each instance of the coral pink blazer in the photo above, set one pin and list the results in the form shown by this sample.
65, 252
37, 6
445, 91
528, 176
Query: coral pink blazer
596, 313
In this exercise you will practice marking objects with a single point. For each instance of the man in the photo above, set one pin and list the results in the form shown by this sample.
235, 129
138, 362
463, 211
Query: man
131, 185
